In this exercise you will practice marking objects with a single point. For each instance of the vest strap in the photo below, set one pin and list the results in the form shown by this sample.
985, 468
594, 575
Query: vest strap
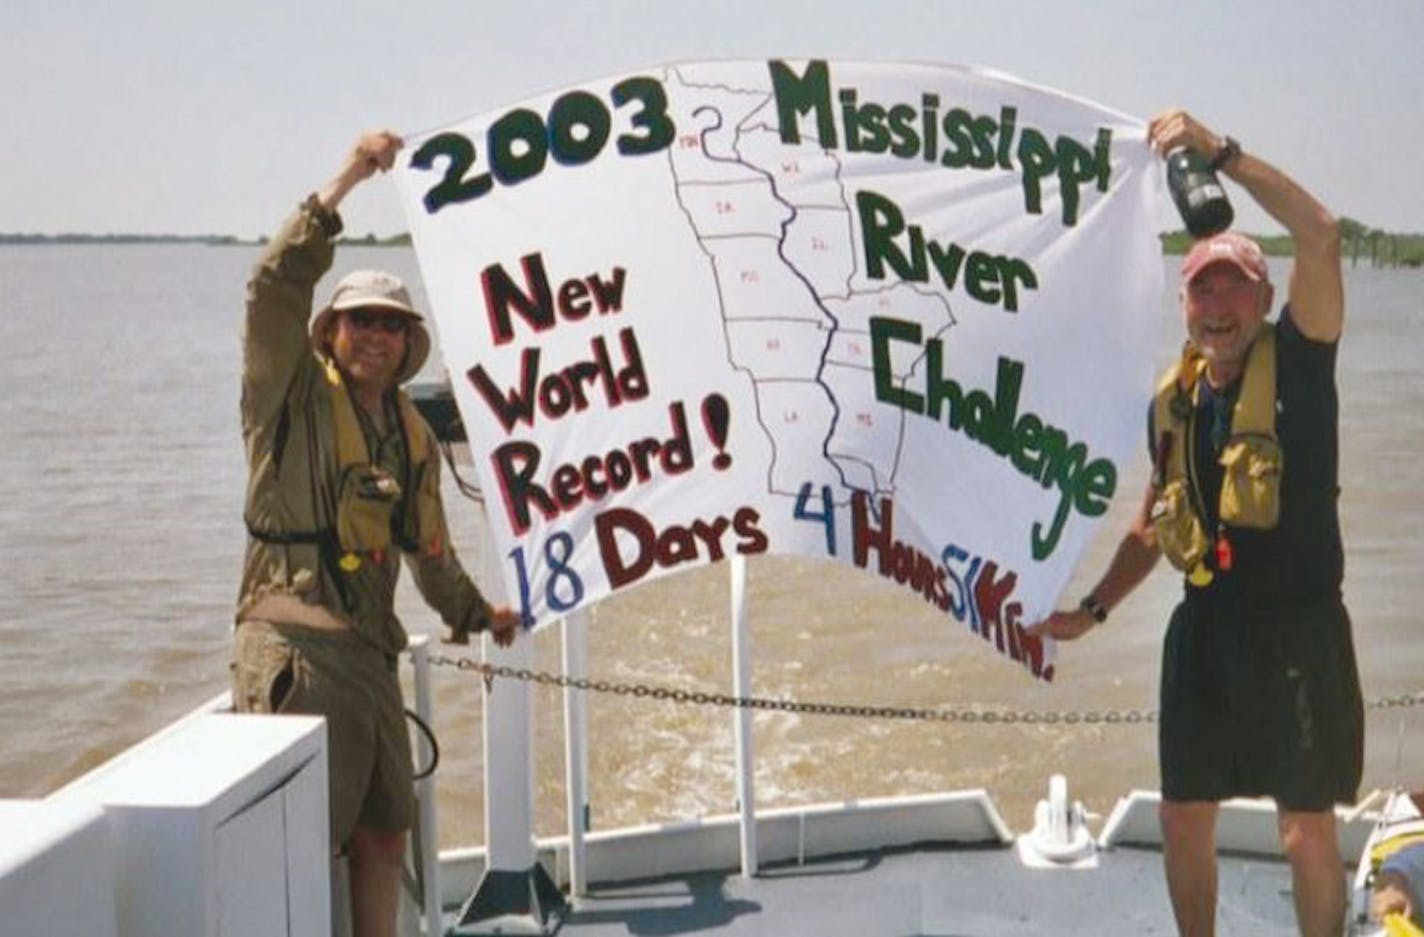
285, 537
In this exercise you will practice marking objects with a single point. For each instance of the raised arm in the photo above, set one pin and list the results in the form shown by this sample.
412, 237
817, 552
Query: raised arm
1317, 292
374, 152
280, 290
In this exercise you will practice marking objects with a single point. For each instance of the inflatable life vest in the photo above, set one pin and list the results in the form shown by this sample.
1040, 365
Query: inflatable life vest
1395, 925
1251, 459
367, 495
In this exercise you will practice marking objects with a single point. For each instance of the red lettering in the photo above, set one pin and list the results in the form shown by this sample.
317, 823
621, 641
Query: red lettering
516, 464
563, 391
606, 526
989, 596
896, 560
535, 302
744, 522
630, 545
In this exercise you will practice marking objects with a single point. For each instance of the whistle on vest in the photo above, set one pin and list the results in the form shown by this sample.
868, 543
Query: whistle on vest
1201, 575
1224, 555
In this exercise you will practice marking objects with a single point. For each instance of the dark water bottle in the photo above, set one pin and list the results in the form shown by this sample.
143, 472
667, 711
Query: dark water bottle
1200, 198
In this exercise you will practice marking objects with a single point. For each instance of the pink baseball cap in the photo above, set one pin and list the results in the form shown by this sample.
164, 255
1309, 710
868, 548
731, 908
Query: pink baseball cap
1227, 247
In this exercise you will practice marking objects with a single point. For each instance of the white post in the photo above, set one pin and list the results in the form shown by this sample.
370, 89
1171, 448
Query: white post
575, 643
508, 728
742, 720
514, 883
509, 760
429, 857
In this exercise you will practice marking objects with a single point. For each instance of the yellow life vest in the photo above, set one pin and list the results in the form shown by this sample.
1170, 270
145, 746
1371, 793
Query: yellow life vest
1251, 458
367, 494
1396, 925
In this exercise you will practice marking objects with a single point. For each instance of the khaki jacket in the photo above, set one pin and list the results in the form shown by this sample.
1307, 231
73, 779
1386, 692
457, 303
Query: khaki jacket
294, 471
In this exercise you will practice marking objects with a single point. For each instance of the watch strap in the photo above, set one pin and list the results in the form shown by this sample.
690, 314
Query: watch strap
1094, 607
1230, 149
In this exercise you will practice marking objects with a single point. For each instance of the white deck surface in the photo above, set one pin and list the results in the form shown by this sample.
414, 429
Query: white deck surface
933, 891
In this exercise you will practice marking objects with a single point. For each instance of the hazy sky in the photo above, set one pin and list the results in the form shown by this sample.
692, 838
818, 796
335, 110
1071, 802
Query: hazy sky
212, 116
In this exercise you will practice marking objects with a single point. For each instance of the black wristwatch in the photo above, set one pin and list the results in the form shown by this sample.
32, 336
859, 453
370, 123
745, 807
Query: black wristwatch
1094, 606
1229, 151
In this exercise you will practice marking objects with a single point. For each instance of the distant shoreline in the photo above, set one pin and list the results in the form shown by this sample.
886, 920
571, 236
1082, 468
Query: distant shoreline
1404, 250
1174, 243
210, 240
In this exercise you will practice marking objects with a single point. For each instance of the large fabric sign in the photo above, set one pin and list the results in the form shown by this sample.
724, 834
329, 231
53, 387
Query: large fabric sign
900, 317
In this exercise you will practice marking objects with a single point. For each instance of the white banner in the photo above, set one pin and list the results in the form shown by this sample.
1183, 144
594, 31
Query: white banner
898, 316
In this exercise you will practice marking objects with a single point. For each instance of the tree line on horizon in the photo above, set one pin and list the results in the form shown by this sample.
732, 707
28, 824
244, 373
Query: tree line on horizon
1377, 247
1358, 241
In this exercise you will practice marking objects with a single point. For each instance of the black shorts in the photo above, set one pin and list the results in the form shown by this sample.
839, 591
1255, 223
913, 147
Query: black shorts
1261, 703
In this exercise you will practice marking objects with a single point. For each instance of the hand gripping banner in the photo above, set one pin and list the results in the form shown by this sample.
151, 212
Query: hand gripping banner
897, 316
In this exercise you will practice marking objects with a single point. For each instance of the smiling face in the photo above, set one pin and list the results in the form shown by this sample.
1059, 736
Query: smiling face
1224, 310
369, 345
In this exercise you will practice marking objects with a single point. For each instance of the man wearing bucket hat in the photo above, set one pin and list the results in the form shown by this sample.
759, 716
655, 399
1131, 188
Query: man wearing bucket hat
344, 481
1259, 694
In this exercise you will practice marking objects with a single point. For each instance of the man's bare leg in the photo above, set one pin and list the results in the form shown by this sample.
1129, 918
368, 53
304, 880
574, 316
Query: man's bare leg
1189, 854
375, 858
1317, 871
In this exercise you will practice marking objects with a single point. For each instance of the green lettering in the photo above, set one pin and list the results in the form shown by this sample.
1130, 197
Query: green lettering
1008, 119
982, 278
938, 388
947, 262
1007, 382
1041, 545
1075, 166
929, 115
1026, 451
519, 145
984, 128
880, 222
1012, 272
872, 121
978, 415
850, 120
882, 332
1036, 450
958, 143
796, 95
1095, 486
1102, 156
905, 142
1036, 158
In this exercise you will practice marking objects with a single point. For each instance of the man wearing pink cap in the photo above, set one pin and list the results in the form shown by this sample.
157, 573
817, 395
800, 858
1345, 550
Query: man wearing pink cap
344, 481
1259, 693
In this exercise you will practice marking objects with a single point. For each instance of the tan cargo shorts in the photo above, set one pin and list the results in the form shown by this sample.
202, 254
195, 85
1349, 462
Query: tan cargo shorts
279, 668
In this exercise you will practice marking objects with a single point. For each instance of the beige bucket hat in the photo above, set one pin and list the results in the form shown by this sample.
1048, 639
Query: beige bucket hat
365, 289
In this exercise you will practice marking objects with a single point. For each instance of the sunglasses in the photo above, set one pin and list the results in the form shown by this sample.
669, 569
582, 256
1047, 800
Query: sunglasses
386, 322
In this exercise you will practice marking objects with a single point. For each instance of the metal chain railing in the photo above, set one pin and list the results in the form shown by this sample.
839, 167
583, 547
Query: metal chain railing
965, 714
969, 715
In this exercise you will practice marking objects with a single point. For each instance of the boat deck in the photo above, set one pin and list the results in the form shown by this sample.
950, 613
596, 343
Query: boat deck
931, 891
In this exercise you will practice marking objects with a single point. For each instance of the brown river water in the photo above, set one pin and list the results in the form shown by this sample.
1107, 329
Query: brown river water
121, 479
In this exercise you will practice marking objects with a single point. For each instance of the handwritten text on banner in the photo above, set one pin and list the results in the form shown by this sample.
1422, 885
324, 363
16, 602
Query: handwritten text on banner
896, 316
